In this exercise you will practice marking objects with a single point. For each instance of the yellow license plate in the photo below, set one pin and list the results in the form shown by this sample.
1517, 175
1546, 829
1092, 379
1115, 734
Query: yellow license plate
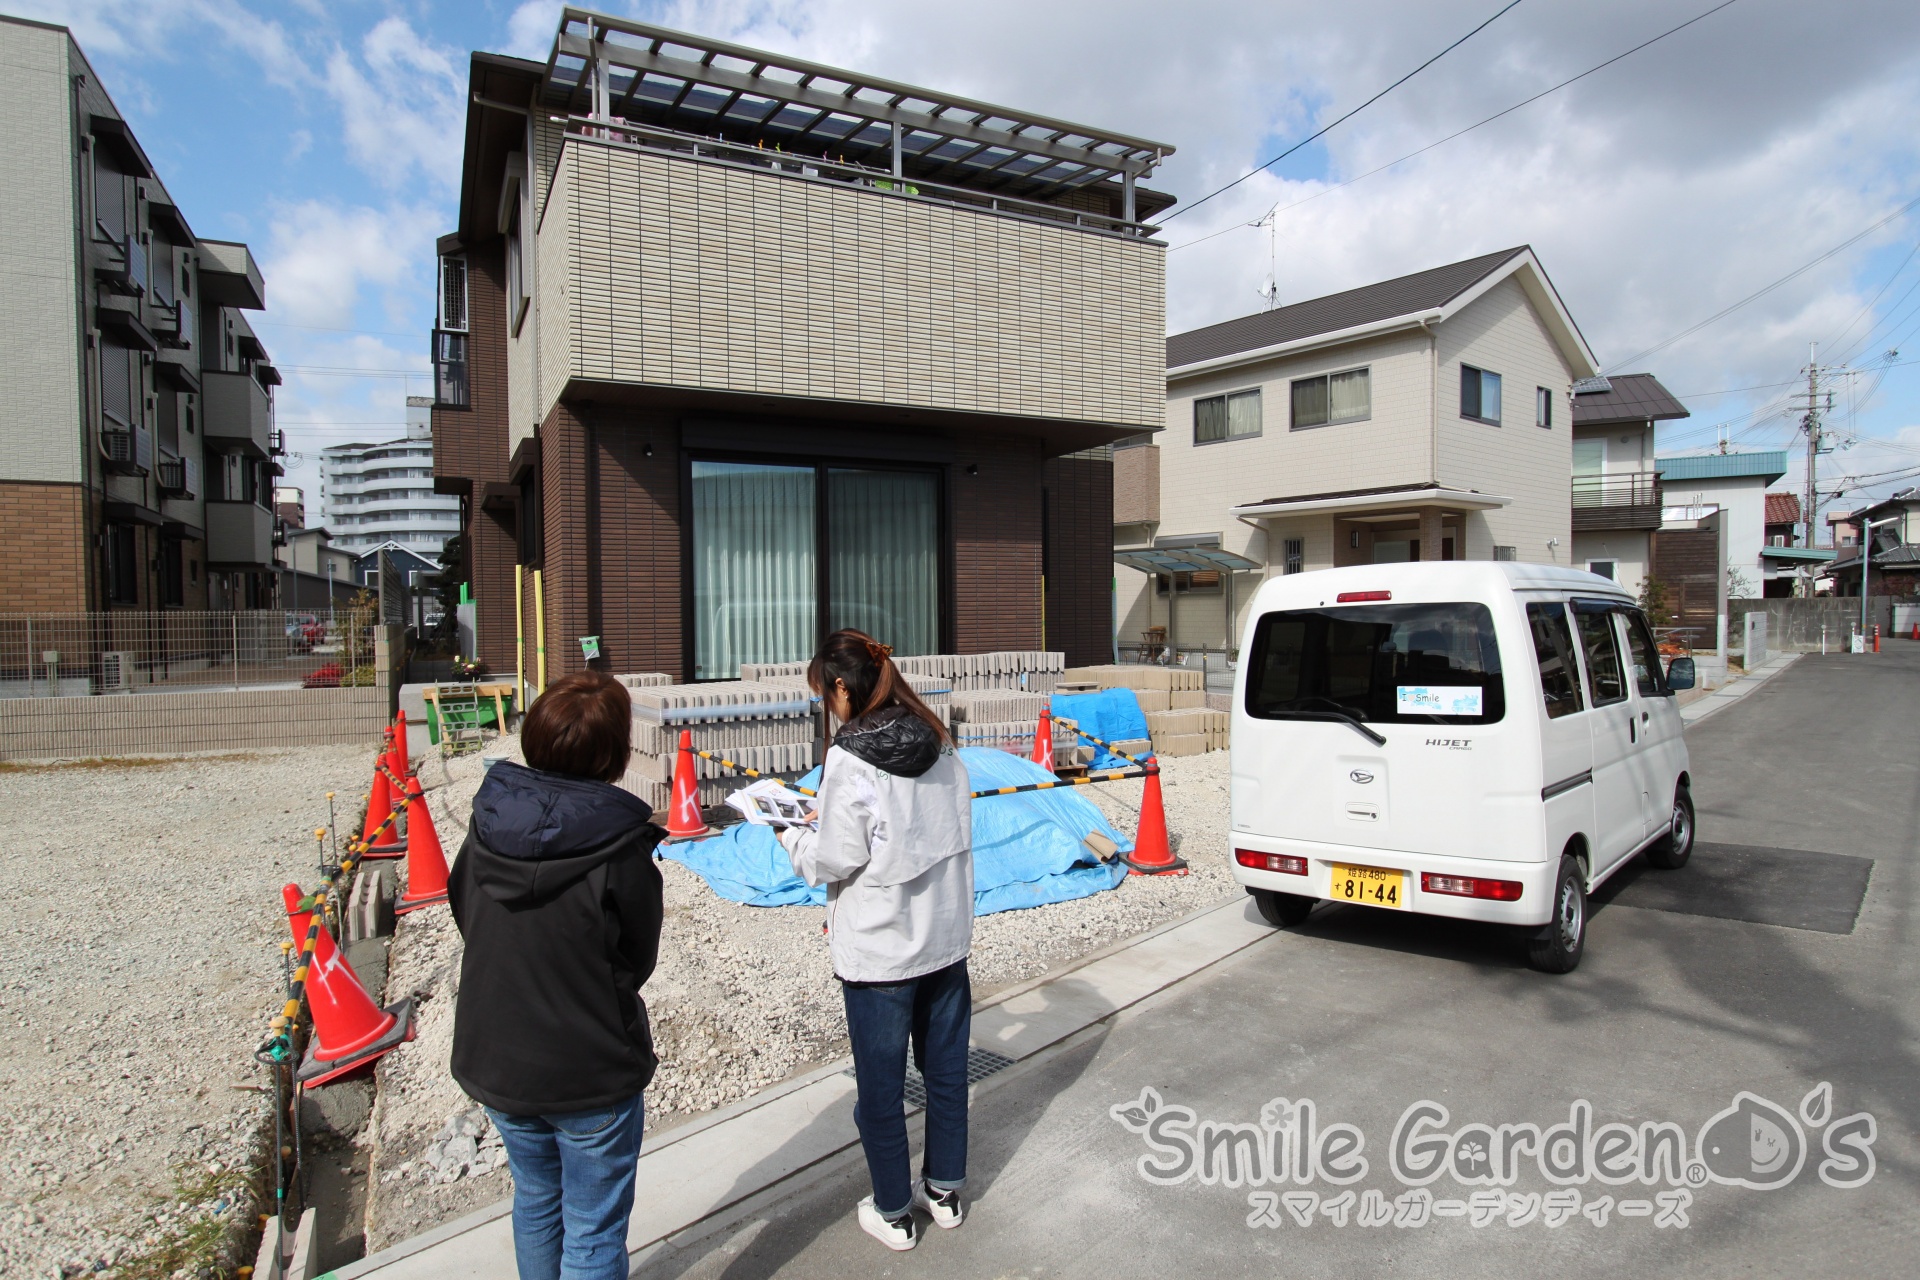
1374, 886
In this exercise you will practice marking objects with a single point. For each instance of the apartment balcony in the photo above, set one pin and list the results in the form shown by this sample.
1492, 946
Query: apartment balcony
450, 390
239, 535
237, 413
1625, 500
178, 477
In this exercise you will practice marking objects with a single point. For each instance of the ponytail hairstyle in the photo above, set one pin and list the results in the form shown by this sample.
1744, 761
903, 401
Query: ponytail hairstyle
873, 683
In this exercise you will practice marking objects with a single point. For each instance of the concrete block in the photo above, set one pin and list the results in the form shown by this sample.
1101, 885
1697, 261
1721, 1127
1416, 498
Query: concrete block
1181, 744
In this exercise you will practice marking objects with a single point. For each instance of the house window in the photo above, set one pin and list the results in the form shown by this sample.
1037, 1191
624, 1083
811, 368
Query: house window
1605, 568
1506, 553
1332, 398
1542, 407
1296, 554
516, 279
109, 196
453, 294
1479, 395
123, 564
116, 382
172, 579
763, 585
1229, 417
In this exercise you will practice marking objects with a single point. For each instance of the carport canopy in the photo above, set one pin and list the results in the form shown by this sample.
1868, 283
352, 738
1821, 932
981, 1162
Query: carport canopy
1174, 561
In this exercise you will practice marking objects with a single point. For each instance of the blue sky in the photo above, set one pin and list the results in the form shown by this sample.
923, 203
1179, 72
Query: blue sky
1656, 192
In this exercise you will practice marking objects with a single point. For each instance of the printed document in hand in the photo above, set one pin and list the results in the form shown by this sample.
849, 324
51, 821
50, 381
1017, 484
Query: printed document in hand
771, 803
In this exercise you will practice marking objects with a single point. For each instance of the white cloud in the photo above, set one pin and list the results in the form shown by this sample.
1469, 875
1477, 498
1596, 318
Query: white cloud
530, 30
402, 106
322, 258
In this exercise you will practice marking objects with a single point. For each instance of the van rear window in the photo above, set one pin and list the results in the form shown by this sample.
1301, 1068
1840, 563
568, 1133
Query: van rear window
1385, 663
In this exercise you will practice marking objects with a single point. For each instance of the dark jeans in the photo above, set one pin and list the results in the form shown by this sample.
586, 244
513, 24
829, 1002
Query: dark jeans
572, 1189
935, 1012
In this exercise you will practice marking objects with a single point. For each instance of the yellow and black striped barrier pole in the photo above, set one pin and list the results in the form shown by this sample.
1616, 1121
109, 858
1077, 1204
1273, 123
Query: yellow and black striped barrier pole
725, 763
1114, 775
1102, 742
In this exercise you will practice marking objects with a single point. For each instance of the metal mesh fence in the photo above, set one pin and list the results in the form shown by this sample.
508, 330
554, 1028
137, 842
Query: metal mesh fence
76, 654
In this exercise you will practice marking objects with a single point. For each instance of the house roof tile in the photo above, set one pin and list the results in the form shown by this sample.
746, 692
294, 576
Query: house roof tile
1783, 508
1625, 397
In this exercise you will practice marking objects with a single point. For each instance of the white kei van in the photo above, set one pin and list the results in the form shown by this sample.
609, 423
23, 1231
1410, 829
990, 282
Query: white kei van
1482, 740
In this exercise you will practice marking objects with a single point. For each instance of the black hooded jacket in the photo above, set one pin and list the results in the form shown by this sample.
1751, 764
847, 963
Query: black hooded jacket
557, 897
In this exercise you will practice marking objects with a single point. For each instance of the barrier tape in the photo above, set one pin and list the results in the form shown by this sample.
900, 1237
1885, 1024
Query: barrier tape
1114, 775
725, 763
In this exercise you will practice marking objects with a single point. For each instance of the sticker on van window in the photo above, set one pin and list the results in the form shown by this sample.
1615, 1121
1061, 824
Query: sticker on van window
1437, 700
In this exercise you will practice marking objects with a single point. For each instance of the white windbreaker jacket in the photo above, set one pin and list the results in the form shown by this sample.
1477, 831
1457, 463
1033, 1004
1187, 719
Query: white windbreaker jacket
894, 849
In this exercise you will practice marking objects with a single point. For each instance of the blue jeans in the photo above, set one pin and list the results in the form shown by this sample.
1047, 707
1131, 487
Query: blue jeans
935, 1012
572, 1189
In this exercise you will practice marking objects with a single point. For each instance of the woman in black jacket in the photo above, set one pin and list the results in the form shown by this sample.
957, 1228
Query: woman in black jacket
557, 897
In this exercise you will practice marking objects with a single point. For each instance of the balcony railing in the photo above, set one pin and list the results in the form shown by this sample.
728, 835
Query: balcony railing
178, 477
1622, 500
449, 369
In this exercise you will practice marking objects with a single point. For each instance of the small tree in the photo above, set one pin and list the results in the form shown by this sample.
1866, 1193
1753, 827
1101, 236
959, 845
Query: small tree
1656, 598
1739, 585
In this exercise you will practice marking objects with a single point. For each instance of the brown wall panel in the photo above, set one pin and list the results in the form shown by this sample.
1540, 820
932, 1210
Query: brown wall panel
637, 571
1079, 559
45, 569
994, 518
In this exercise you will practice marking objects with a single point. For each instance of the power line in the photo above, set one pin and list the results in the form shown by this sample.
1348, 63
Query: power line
327, 328
1322, 132
1724, 312
1327, 191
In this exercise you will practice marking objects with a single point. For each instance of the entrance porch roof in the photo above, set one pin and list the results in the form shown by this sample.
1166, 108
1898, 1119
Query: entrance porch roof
1362, 501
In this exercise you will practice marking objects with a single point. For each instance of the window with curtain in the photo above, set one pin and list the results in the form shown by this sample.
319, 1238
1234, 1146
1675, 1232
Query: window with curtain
755, 593
1229, 417
1479, 395
761, 576
1332, 398
883, 530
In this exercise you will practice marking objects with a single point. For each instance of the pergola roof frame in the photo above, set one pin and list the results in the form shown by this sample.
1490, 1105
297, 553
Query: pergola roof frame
603, 45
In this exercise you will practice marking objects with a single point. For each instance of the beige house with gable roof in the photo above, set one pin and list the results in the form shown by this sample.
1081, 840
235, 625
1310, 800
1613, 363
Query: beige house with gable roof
1426, 417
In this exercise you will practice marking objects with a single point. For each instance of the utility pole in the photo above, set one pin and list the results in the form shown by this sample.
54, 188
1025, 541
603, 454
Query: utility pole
1813, 462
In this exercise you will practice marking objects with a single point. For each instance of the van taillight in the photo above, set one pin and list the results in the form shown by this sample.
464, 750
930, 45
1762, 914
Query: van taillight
1471, 887
1283, 862
1361, 597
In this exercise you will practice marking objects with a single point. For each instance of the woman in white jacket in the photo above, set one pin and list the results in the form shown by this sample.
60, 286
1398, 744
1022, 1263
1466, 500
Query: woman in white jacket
895, 850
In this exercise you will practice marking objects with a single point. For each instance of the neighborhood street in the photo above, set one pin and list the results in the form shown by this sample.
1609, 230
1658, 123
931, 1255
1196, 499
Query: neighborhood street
1780, 961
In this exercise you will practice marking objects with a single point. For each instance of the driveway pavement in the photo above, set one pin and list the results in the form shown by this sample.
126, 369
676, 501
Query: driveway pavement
1738, 1046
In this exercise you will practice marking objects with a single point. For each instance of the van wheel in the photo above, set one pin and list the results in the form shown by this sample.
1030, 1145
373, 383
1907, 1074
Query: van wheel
1557, 946
1282, 910
1672, 850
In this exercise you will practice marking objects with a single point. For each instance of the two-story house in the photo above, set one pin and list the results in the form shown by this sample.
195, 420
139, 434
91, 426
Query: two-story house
736, 349
1420, 418
136, 456
1616, 485
1895, 569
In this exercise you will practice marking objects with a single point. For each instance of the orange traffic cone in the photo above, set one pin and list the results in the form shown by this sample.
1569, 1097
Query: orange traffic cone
684, 819
1043, 739
426, 860
1152, 855
402, 755
349, 1029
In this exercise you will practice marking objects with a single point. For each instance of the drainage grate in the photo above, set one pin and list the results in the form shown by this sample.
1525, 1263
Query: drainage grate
981, 1063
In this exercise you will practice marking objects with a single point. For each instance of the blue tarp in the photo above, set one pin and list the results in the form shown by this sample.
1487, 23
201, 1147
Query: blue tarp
1027, 848
1113, 715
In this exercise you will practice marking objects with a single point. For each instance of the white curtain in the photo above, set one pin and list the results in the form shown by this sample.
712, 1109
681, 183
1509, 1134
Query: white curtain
753, 566
1350, 394
884, 535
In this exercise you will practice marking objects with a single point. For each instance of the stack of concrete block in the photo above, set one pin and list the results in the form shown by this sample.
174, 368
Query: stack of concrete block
1031, 670
1190, 731
979, 706
645, 679
769, 725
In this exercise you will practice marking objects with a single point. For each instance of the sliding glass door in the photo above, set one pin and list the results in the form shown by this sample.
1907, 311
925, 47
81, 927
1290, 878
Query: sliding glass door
766, 590
754, 593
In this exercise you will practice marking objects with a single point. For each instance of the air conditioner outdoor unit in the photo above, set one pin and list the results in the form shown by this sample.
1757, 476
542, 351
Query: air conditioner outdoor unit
116, 670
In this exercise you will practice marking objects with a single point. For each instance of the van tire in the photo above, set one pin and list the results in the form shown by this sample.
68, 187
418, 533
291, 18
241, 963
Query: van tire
1282, 910
1671, 851
1558, 945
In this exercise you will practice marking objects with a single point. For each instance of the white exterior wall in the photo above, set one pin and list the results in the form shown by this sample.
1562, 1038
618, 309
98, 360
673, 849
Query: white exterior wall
1501, 333
40, 433
1631, 551
1744, 500
360, 519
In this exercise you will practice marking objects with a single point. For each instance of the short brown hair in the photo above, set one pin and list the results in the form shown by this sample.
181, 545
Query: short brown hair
582, 725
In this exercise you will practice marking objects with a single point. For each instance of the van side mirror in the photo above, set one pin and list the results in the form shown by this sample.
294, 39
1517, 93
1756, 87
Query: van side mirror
1680, 674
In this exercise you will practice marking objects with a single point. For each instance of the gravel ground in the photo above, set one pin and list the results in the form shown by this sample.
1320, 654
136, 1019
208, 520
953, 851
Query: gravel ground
743, 996
139, 964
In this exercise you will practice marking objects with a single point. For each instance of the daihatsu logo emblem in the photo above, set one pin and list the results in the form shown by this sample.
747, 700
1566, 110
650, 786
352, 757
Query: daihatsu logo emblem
1361, 776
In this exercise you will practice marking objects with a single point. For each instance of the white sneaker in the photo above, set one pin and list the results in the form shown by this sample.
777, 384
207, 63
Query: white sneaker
943, 1207
898, 1234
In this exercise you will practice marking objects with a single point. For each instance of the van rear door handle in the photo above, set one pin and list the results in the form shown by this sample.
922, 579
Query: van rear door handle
1645, 716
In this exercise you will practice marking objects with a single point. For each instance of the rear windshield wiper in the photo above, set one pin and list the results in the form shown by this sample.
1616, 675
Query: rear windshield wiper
1351, 721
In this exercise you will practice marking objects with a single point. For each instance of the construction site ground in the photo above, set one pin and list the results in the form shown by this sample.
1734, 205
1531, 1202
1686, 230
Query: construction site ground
141, 963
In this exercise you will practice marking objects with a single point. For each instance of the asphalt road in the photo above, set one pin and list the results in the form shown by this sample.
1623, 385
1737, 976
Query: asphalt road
1712, 1005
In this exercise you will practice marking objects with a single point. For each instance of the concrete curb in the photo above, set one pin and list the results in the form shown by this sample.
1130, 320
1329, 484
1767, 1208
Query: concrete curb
1722, 698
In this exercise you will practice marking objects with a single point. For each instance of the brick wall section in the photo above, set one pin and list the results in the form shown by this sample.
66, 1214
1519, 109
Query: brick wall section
170, 723
570, 544
1136, 485
995, 522
637, 539
45, 568
472, 444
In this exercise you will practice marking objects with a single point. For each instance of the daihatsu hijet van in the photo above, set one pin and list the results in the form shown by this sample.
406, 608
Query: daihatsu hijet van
1483, 740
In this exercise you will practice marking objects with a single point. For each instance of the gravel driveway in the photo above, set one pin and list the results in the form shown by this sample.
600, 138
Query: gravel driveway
139, 963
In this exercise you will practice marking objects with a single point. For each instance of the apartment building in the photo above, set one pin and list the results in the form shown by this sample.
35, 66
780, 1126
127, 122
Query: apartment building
736, 349
1421, 418
137, 456
382, 494
1616, 484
